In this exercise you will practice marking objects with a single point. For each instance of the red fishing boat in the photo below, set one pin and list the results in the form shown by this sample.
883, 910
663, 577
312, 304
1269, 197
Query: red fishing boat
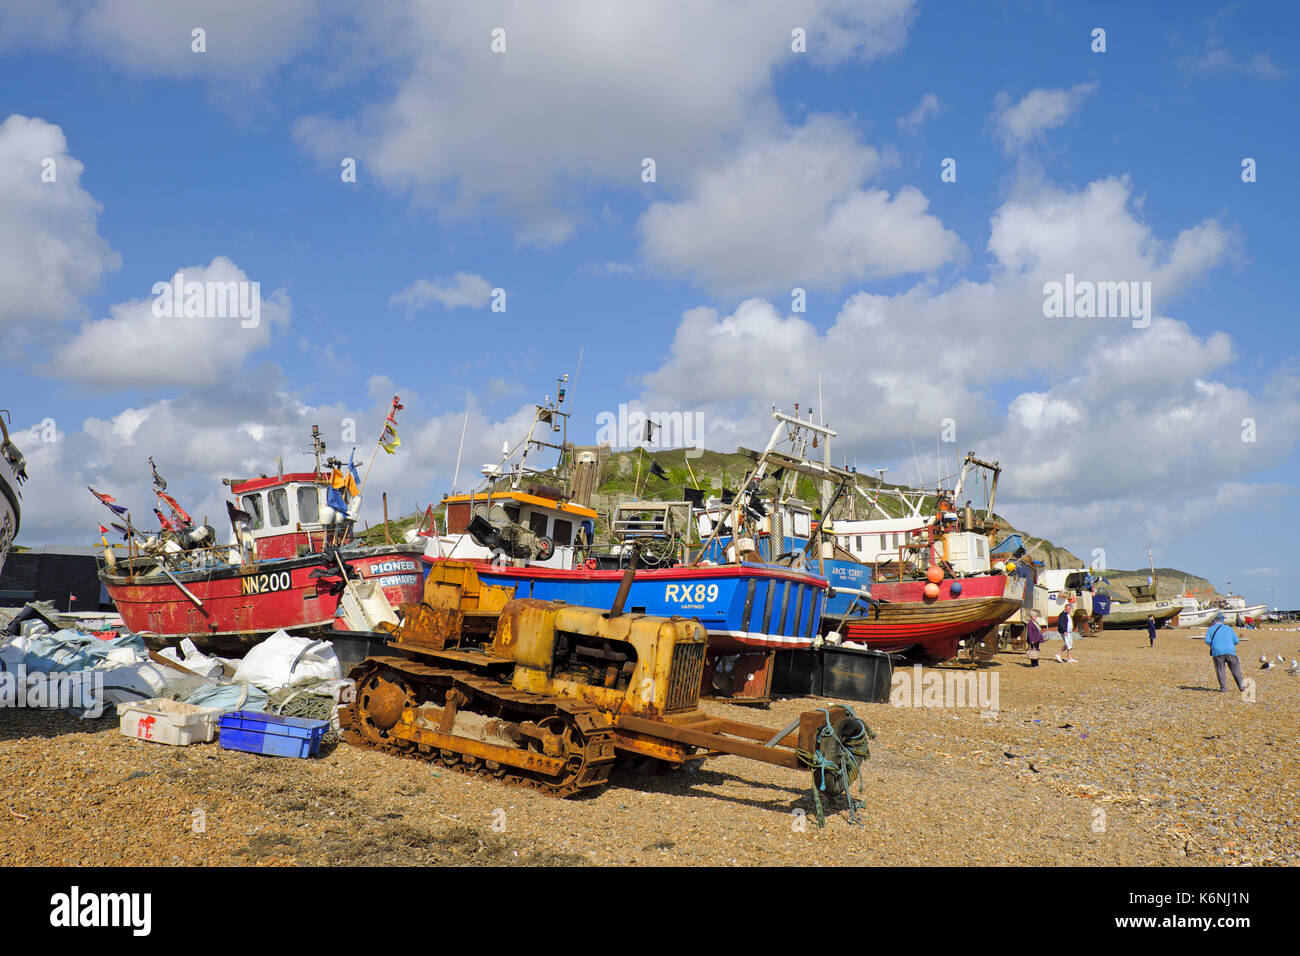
901, 619
294, 563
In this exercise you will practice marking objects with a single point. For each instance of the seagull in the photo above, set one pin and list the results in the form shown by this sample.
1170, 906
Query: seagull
1295, 666
1266, 665
1263, 658
1280, 659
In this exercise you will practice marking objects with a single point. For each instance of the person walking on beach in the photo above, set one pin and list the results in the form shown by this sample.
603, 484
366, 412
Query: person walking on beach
1065, 624
1151, 628
1034, 637
1223, 648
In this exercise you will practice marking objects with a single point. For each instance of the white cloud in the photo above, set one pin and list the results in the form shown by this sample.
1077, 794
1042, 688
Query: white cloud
1216, 59
246, 40
1106, 420
134, 346
462, 289
237, 430
51, 252
580, 95
792, 211
1026, 120
929, 106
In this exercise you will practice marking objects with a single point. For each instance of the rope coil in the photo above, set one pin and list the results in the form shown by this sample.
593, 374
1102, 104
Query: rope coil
849, 750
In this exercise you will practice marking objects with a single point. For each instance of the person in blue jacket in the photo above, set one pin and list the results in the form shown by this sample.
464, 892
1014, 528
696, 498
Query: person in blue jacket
1223, 648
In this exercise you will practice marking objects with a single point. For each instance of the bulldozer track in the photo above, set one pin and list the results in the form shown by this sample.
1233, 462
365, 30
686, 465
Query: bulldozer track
389, 688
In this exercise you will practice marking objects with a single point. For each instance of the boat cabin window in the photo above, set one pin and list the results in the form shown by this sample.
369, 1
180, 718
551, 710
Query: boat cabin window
563, 531
253, 505
537, 522
277, 500
512, 512
859, 547
884, 546
802, 526
309, 505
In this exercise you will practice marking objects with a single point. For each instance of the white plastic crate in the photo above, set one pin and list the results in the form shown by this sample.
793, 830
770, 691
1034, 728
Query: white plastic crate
169, 721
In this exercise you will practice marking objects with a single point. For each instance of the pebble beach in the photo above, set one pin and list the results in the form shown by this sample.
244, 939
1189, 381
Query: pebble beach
1129, 757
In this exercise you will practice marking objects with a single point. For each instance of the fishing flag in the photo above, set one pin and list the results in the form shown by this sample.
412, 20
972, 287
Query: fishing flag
238, 517
657, 470
389, 441
179, 513
158, 481
162, 520
341, 481
103, 536
108, 501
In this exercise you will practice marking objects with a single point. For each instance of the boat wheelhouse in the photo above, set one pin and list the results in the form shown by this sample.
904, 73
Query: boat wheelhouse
293, 564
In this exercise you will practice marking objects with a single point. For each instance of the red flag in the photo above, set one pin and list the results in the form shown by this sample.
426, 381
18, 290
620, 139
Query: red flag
162, 520
177, 511
103, 530
397, 407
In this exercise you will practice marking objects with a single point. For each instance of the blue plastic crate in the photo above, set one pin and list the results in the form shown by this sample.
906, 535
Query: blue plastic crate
271, 734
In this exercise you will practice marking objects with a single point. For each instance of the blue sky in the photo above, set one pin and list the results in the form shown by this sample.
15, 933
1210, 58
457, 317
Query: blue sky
521, 170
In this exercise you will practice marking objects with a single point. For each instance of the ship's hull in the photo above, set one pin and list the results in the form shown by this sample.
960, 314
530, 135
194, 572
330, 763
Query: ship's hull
1135, 615
236, 607
932, 629
1254, 612
1196, 617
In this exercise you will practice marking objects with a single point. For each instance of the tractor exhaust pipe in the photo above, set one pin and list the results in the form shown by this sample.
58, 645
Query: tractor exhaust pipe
625, 586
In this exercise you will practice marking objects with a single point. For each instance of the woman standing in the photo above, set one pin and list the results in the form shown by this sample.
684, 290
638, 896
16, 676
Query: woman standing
1034, 635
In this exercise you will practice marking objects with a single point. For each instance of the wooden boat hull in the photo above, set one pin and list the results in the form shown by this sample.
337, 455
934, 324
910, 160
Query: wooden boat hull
930, 628
1135, 615
242, 606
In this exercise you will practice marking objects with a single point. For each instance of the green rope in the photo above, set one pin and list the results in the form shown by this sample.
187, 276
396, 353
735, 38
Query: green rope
302, 701
847, 769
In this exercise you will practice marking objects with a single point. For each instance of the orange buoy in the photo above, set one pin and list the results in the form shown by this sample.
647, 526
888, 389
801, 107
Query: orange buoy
932, 590
934, 574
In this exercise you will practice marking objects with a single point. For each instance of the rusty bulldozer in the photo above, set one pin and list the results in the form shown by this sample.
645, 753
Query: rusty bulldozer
550, 696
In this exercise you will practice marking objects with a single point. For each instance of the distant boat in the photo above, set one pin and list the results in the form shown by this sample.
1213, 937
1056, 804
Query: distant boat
1144, 604
1192, 613
1235, 610
13, 472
